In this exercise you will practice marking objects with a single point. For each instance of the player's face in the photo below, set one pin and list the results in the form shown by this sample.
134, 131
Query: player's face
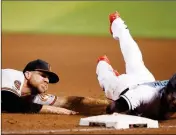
39, 80
171, 98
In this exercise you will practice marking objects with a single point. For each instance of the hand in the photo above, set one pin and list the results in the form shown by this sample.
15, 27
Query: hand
65, 111
57, 110
110, 108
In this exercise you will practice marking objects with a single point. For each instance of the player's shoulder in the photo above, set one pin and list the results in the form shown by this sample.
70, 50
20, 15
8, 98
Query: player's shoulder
12, 80
12, 74
11, 71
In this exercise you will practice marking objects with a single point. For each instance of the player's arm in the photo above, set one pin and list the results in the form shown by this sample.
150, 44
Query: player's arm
49, 99
83, 105
38, 108
51, 104
119, 106
53, 100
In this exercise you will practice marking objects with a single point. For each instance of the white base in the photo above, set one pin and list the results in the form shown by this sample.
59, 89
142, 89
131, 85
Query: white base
119, 121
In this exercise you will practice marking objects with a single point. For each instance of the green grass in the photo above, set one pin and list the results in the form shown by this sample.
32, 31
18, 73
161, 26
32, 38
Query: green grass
144, 19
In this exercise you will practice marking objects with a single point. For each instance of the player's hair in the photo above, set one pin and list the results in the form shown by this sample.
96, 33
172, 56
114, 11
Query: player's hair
171, 86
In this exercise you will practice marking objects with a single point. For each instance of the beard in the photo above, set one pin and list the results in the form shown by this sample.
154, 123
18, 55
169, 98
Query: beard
42, 88
37, 88
34, 90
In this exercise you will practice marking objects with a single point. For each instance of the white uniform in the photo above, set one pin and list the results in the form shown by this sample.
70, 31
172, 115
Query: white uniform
145, 99
137, 78
13, 80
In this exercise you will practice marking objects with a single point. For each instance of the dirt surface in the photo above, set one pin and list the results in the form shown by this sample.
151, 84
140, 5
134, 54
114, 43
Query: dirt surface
74, 59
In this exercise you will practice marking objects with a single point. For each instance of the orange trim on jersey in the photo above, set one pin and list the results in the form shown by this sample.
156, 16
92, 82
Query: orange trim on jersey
10, 90
54, 100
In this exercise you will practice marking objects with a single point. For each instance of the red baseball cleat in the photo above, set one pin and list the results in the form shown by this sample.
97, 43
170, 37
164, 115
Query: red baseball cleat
103, 58
116, 73
112, 17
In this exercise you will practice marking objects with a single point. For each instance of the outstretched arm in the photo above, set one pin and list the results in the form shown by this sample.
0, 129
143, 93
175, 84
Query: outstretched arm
83, 105
51, 104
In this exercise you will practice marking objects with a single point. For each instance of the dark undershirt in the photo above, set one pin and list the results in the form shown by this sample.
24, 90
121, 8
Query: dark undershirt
14, 104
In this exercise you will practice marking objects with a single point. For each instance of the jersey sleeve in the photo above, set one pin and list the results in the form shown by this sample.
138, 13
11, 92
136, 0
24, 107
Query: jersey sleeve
44, 99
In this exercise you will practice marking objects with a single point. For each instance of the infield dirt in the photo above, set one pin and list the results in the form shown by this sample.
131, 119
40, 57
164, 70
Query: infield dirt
74, 59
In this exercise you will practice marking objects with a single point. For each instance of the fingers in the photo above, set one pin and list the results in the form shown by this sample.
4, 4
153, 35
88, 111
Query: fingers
73, 113
66, 112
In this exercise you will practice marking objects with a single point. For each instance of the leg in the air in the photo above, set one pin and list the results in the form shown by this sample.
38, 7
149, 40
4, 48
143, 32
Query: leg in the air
106, 76
129, 48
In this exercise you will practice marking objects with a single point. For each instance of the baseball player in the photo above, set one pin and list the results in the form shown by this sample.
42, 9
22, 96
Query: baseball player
25, 91
136, 92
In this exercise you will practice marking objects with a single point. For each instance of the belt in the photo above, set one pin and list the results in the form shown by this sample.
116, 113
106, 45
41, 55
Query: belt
124, 91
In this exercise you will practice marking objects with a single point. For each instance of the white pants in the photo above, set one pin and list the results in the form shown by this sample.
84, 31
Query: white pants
136, 71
